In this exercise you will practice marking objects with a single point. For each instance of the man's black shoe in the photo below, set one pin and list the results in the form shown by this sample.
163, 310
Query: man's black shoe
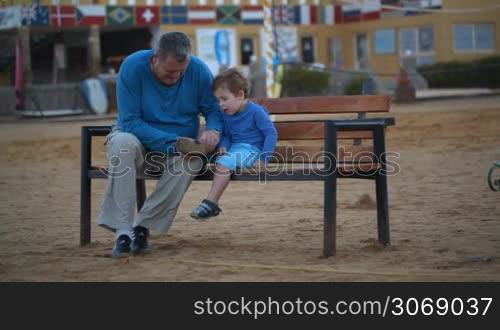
122, 247
140, 243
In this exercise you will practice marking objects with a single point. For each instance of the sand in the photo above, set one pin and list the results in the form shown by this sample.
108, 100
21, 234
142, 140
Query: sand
445, 221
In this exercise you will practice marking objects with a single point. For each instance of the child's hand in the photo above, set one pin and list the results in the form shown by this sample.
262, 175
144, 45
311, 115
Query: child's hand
222, 150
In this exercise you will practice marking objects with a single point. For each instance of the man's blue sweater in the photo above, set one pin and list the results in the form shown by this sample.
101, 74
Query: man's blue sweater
156, 113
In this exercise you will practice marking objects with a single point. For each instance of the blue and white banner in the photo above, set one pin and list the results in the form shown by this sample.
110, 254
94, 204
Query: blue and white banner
10, 17
217, 48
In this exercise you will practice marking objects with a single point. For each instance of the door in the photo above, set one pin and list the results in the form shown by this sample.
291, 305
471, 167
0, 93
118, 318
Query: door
361, 52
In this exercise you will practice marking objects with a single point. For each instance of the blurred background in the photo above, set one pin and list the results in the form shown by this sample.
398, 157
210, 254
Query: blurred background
53, 52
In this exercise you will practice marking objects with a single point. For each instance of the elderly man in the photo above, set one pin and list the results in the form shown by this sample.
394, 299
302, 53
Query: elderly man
160, 95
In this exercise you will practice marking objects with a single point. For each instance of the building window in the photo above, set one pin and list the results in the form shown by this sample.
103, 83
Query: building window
385, 41
362, 61
307, 44
417, 43
247, 50
474, 37
335, 56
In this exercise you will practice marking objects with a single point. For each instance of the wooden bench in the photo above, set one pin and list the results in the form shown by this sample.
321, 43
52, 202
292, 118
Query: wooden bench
297, 157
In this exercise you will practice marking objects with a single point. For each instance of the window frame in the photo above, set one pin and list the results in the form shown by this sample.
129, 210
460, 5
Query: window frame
474, 41
418, 54
394, 42
314, 50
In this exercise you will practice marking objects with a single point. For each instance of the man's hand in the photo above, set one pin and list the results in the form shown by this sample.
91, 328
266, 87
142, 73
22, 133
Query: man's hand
210, 138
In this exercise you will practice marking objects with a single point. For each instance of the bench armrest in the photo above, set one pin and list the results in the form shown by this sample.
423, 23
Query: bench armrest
96, 130
362, 124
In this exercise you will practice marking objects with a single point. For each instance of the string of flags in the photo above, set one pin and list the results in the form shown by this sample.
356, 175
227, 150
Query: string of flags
86, 15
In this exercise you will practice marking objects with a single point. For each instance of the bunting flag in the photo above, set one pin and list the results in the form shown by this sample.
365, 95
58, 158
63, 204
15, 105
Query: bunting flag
144, 15
147, 15
370, 10
306, 15
351, 13
35, 15
425, 4
202, 15
120, 15
396, 3
10, 17
388, 13
412, 6
252, 15
174, 15
326, 14
62, 16
228, 14
283, 14
90, 15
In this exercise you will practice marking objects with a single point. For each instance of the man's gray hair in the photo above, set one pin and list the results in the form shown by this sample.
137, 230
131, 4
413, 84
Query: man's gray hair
174, 44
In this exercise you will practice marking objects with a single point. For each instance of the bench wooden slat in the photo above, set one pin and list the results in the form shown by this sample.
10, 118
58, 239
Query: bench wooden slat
273, 171
314, 154
327, 104
314, 130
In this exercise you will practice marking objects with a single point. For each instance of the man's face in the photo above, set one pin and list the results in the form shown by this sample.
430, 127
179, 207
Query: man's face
168, 71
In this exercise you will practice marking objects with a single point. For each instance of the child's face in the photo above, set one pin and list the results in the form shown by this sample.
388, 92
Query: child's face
230, 103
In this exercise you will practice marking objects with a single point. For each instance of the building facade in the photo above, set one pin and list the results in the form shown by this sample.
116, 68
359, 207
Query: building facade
363, 35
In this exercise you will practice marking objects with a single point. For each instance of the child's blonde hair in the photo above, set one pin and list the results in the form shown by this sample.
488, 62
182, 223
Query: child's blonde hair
233, 80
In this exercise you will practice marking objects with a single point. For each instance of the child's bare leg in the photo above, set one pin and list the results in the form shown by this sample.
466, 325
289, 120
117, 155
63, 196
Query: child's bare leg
222, 176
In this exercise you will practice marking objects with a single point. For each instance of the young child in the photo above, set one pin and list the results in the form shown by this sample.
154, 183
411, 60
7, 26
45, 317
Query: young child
249, 137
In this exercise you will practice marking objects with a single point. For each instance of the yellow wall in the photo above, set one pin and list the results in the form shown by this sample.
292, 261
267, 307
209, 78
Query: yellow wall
390, 64
443, 37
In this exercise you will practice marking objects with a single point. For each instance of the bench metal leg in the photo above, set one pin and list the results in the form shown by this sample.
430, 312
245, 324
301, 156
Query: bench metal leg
330, 217
382, 210
381, 189
85, 188
330, 194
85, 210
140, 185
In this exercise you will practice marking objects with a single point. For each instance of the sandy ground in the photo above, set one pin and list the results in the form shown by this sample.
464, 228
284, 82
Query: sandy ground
445, 221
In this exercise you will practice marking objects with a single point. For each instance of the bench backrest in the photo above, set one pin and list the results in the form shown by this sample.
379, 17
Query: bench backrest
297, 136
327, 104
301, 130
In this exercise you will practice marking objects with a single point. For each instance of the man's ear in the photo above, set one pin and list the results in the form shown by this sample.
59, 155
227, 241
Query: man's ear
241, 94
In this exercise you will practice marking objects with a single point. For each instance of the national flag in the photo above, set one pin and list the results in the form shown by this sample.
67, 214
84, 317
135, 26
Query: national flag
174, 15
326, 14
10, 17
351, 13
396, 3
202, 15
414, 5
120, 15
147, 15
87, 15
228, 14
62, 16
389, 12
252, 15
283, 14
338, 14
35, 15
306, 15
370, 10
